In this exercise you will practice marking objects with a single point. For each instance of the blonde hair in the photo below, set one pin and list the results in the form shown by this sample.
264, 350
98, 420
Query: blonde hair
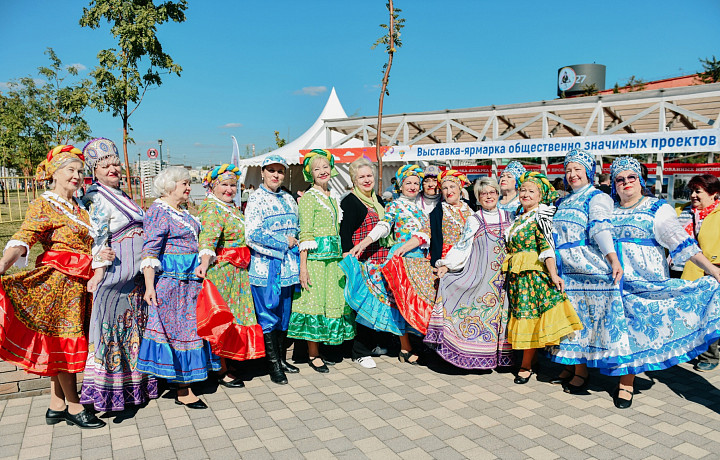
483, 183
360, 163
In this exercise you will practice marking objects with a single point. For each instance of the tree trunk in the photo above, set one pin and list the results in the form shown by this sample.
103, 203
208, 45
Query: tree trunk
127, 163
391, 51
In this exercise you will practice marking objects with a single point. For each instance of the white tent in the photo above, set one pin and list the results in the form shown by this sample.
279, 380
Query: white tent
314, 137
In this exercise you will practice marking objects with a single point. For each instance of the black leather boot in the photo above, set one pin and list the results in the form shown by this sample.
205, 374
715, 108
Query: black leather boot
274, 366
280, 342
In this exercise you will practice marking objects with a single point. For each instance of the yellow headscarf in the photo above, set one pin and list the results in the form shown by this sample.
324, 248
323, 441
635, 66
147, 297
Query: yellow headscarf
55, 158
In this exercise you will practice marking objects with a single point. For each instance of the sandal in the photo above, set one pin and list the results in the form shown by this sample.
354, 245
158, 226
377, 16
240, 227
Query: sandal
404, 357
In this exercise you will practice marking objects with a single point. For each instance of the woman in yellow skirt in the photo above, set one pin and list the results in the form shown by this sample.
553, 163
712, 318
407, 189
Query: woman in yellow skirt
540, 312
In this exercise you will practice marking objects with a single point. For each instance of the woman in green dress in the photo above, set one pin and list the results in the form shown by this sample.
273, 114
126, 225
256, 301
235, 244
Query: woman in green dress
319, 312
225, 312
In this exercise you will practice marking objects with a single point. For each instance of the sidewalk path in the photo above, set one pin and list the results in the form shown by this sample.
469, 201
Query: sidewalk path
394, 411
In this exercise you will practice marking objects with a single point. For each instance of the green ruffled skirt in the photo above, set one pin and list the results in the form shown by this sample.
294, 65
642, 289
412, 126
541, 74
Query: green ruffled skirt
320, 314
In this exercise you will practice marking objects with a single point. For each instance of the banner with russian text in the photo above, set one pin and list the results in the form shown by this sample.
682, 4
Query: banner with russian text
701, 140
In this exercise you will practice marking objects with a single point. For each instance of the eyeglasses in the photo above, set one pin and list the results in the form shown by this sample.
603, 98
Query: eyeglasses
488, 193
626, 180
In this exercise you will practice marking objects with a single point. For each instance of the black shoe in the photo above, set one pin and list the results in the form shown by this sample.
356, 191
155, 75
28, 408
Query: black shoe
622, 403
562, 380
404, 357
576, 389
523, 380
199, 404
84, 419
323, 369
55, 416
279, 341
235, 383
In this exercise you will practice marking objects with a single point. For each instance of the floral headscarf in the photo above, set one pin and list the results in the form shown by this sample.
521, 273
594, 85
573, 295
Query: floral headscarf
406, 171
307, 174
548, 195
55, 158
221, 173
624, 164
455, 176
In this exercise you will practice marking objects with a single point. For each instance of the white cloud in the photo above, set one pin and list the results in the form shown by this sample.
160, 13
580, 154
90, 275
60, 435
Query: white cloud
77, 66
4, 85
232, 125
312, 90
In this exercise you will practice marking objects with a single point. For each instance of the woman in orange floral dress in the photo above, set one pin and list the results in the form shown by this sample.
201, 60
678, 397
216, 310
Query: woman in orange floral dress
45, 312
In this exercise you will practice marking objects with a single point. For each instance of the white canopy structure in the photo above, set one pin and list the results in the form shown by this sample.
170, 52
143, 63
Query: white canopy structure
315, 137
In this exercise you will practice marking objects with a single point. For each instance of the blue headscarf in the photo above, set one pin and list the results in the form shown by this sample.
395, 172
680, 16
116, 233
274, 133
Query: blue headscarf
516, 169
624, 164
583, 158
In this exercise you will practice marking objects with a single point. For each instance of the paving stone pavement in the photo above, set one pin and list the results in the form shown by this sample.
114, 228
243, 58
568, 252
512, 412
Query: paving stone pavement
394, 411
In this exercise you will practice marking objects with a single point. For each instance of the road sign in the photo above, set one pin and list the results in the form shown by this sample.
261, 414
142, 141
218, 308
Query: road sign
152, 153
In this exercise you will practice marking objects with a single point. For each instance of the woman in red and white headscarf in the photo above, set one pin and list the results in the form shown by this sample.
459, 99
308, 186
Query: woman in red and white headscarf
447, 220
44, 312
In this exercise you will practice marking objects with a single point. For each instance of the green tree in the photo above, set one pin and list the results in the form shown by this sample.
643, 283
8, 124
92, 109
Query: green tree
64, 104
392, 41
118, 77
40, 113
279, 140
711, 70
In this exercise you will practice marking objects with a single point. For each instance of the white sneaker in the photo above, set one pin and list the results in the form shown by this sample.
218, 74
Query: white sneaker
366, 361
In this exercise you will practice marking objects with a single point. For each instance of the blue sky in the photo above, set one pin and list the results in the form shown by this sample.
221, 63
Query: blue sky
250, 67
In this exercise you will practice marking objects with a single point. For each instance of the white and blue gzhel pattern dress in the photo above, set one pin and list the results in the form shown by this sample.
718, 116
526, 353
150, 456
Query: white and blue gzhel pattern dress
667, 321
583, 236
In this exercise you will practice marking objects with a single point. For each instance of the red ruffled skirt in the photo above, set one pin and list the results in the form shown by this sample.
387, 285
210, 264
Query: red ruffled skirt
413, 284
216, 324
45, 313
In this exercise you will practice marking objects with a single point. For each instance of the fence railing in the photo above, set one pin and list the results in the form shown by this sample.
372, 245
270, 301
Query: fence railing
16, 192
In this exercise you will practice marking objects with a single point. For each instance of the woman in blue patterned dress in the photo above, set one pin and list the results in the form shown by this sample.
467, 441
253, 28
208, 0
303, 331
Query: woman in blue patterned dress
171, 348
271, 232
589, 266
667, 321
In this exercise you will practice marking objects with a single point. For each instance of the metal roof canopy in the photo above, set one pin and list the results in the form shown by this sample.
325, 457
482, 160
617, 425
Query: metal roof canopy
691, 107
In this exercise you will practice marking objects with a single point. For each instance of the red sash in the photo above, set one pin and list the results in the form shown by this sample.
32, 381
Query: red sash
239, 257
69, 263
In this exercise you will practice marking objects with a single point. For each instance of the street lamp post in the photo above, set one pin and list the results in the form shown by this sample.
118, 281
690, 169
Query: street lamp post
161, 162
